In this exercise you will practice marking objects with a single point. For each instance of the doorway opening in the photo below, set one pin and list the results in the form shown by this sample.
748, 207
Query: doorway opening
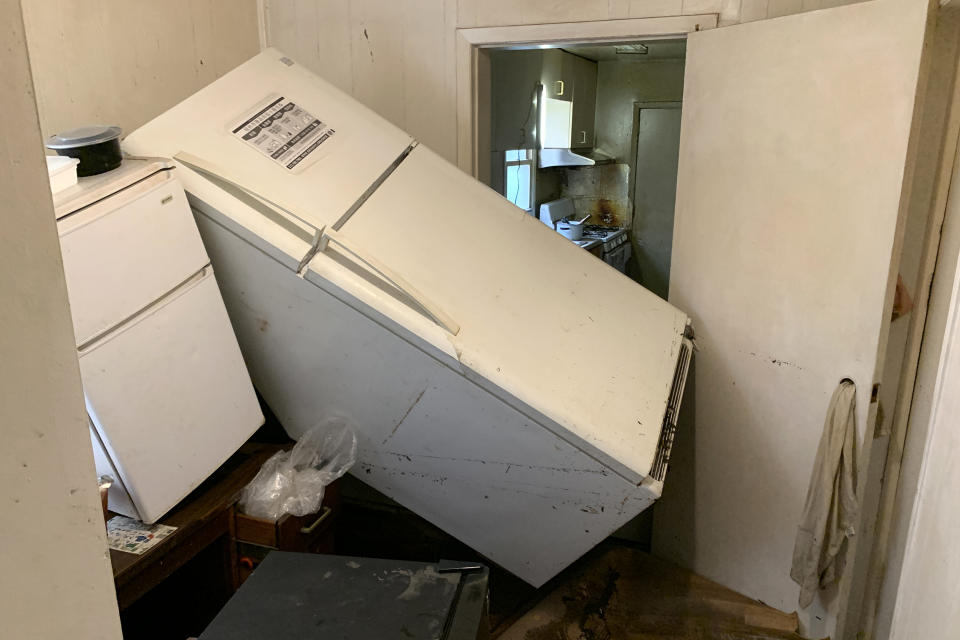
596, 125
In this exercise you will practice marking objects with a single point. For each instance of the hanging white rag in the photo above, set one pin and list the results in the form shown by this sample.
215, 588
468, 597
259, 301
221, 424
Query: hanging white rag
832, 505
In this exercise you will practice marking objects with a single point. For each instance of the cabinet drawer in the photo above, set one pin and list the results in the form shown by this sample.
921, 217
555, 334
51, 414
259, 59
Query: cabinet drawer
126, 251
292, 533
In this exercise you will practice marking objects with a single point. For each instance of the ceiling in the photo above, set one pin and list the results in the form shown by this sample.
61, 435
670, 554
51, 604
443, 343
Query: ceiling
656, 50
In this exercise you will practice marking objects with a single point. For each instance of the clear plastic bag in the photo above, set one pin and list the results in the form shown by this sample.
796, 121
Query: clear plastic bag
293, 481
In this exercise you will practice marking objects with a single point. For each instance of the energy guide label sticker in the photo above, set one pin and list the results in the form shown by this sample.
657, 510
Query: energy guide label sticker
286, 132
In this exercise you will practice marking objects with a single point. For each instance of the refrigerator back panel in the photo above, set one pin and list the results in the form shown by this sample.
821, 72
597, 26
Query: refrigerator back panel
478, 386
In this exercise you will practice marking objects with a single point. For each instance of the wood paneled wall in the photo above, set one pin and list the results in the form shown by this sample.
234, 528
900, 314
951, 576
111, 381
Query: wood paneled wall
395, 57
399, 58
126, 61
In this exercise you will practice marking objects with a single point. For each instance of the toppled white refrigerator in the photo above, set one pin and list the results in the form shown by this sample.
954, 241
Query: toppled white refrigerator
507, 386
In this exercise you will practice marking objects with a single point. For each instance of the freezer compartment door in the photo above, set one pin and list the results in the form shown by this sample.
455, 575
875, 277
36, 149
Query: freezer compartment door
126, 251
169, 395
282, 132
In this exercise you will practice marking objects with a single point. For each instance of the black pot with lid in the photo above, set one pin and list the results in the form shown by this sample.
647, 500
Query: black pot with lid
97, 147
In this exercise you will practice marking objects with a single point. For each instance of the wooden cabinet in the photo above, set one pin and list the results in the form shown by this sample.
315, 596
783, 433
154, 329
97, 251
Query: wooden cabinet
564, 76
313, 533
572, 79
557, 74
584, 101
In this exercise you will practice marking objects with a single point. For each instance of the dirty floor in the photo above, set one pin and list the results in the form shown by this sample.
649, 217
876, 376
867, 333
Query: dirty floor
621, 593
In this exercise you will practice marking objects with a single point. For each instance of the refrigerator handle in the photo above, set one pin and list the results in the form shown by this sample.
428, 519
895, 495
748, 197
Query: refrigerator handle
427, 307
207, 169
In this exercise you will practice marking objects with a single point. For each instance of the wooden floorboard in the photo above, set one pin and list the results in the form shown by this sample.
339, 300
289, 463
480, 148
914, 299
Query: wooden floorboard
621, 593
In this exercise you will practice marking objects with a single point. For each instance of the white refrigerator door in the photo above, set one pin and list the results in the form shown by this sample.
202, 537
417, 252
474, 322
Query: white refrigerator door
543, 324
169, 395
793, 156
124, 252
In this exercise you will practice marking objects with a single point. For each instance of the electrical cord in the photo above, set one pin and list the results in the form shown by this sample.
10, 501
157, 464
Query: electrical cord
516, 194
534, 98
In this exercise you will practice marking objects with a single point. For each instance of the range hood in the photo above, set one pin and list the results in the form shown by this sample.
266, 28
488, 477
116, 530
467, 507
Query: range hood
571, 158
556, 117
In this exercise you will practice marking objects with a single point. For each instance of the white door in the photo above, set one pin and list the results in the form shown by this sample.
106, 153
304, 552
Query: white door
654, 194
793, 150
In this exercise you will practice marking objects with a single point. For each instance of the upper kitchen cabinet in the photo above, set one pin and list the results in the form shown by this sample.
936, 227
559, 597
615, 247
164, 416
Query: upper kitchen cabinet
568, 107
584, 101
568, 111
557, 74
571, 78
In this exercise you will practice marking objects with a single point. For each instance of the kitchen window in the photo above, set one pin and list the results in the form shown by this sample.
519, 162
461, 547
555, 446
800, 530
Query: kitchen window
518, 167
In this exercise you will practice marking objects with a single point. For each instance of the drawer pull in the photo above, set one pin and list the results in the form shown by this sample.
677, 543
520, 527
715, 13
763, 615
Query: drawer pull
316, 523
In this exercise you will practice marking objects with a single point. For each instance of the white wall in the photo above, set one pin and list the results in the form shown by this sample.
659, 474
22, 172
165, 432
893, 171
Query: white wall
124, 62
399, 58
56, 580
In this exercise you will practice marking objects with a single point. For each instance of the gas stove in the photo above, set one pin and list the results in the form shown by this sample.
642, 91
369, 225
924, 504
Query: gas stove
599, 231
611, 237
616, 245
610, 244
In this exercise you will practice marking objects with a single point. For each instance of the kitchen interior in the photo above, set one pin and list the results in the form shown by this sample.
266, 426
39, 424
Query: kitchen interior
586, 138
292, 409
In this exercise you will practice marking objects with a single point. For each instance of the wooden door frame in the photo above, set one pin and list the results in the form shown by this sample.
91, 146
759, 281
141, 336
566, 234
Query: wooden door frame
473, 66
915, 407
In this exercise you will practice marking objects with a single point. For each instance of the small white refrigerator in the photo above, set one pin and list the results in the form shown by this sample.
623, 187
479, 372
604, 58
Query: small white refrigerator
507, 386
167, 391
